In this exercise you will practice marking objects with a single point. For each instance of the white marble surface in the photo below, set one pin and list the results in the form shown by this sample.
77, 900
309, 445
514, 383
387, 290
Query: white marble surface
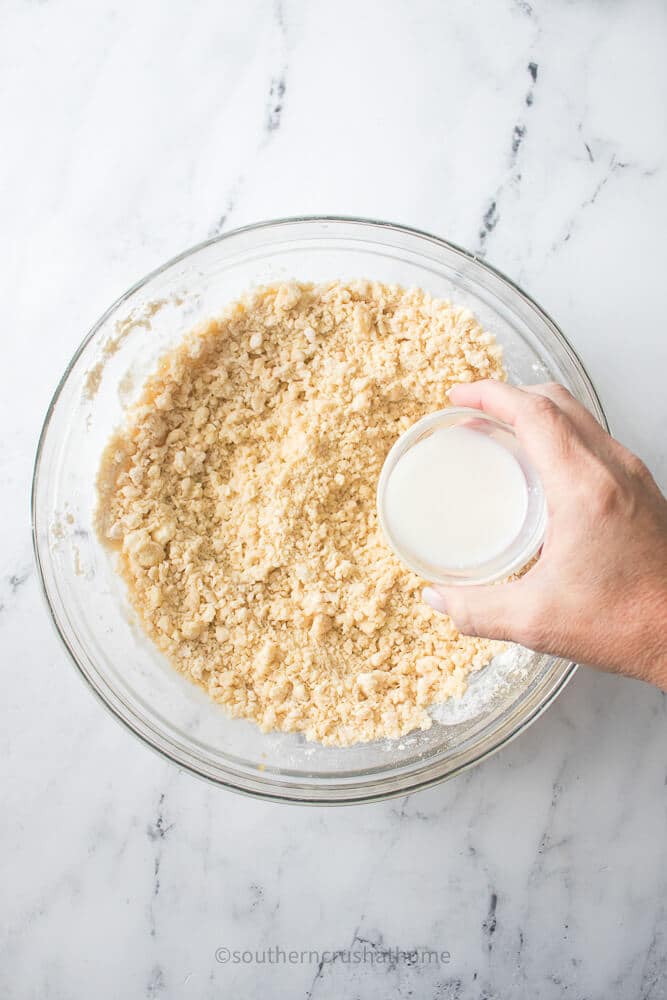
531, 131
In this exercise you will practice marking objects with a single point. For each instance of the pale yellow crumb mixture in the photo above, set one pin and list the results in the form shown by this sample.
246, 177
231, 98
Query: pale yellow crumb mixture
241, 500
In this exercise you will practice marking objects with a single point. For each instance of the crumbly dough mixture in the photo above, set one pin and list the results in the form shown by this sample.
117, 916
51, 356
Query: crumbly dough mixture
241, 500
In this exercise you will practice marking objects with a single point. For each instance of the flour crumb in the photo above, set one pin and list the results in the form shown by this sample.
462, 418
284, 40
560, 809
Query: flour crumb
240, 499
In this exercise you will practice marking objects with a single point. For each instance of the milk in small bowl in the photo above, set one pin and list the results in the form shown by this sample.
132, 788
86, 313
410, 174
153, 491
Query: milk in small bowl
458, 499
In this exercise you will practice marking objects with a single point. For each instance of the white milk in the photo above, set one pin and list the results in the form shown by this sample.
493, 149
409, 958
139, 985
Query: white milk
456, 499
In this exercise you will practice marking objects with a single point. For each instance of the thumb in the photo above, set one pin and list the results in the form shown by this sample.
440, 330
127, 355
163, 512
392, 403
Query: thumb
491, 612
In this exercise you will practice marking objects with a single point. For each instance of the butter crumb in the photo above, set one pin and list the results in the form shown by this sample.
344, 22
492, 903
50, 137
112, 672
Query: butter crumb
240, 497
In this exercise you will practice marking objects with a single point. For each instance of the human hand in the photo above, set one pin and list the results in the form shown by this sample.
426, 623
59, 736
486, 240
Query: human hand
598, 593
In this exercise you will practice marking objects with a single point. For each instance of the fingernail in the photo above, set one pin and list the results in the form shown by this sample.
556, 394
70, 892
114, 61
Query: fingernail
435, 599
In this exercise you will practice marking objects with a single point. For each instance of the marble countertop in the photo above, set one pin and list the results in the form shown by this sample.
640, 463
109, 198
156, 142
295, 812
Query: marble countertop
531, 132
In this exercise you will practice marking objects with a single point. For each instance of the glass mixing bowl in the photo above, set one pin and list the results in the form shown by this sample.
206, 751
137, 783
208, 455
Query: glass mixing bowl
86, 597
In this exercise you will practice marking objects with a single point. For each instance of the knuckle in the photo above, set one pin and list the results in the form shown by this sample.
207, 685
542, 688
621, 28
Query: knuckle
636, 467
467, 618
483, 622
558, 392
558, 433
532, 628
459, 613
542, 407
607, 493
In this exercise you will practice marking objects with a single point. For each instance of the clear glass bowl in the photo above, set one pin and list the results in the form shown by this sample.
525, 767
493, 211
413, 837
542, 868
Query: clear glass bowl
86, 597
528, 539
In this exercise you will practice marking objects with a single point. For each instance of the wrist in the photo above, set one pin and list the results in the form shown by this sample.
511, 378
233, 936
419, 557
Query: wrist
651, 645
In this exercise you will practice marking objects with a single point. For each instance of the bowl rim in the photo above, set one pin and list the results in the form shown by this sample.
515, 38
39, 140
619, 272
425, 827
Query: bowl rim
291, 794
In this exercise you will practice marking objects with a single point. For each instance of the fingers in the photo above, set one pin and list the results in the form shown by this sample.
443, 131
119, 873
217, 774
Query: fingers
499, 400
493, 612
544, 430
485, 396
582, 418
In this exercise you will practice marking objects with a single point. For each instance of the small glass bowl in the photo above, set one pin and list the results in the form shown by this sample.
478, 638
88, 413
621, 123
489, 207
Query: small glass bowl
531, 534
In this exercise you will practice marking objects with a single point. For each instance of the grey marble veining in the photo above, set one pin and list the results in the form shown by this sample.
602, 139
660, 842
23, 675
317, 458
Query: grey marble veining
530, 132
